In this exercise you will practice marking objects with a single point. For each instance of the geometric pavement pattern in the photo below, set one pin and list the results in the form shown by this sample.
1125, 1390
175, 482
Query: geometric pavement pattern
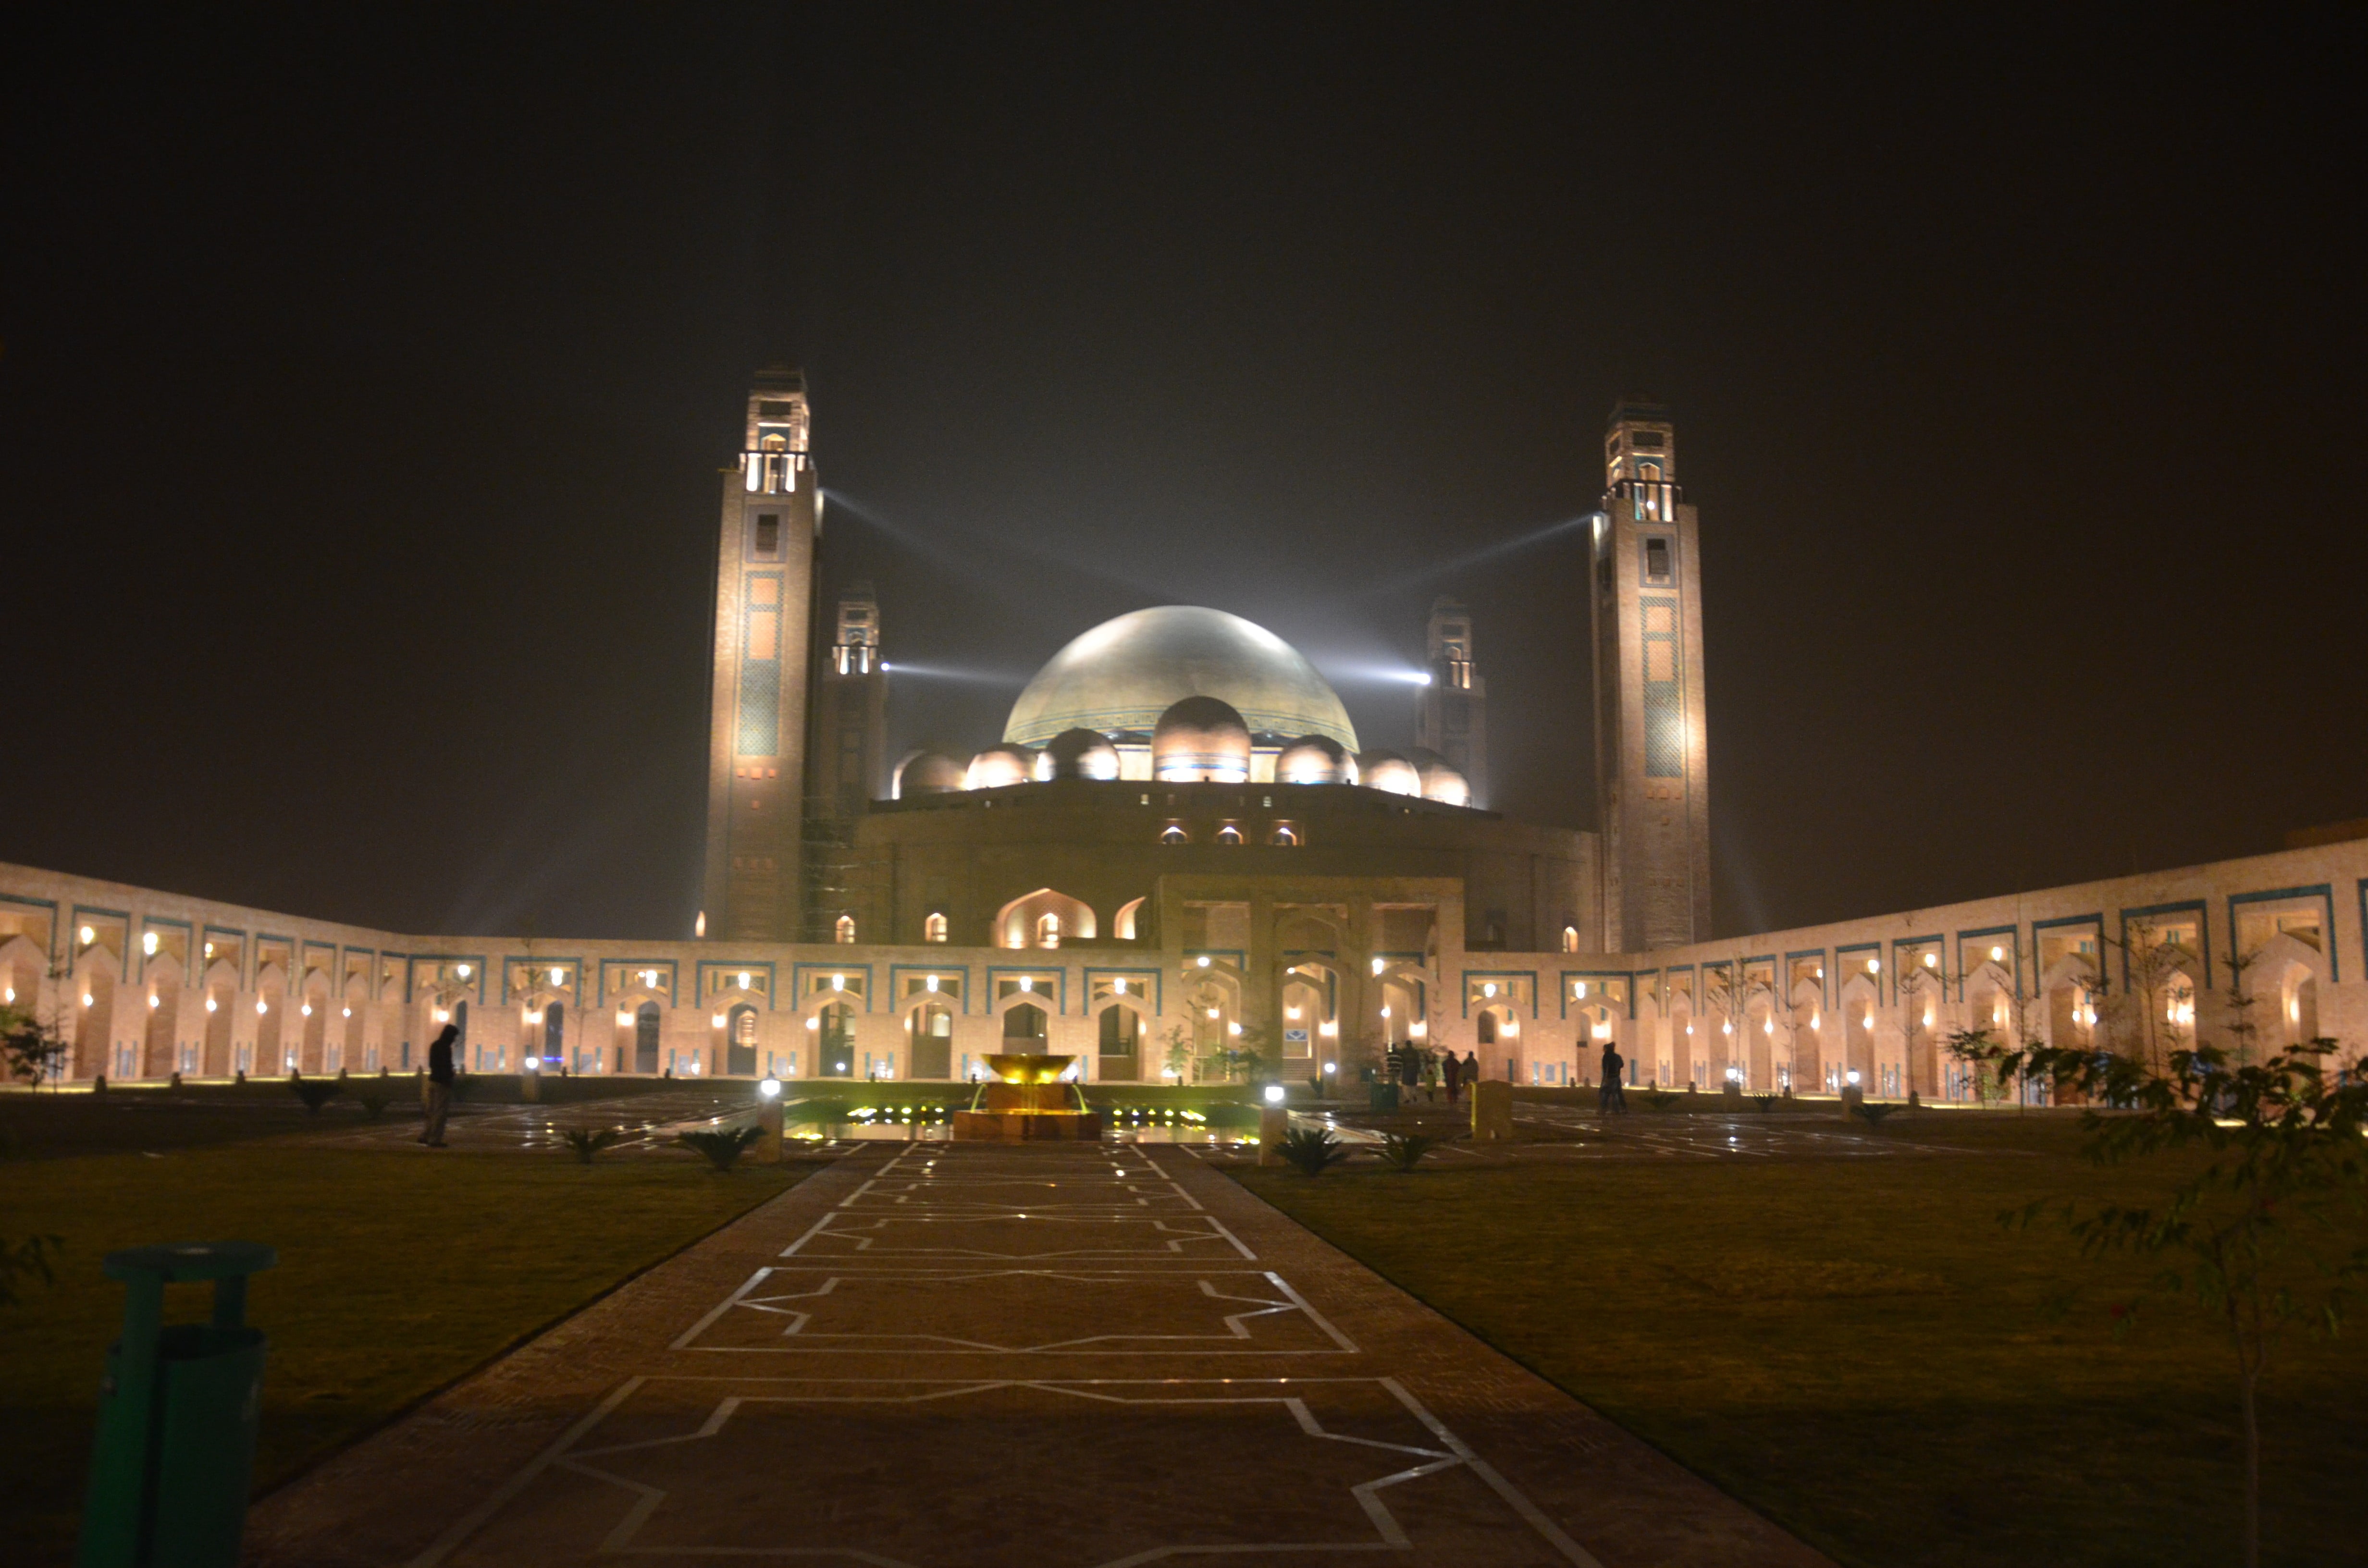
1078, 1357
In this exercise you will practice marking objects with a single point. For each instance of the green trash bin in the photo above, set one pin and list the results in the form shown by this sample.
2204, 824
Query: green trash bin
177, 1413
1385, 1096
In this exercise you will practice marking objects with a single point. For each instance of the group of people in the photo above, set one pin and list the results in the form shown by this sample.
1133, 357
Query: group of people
1415, 1067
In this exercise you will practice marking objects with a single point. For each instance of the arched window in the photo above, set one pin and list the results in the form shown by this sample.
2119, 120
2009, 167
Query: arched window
1283, 833
1570, 938
1173, 833
1487, 1029
1024, 1022
845, 929
1048, 930
933, 928
1229, 834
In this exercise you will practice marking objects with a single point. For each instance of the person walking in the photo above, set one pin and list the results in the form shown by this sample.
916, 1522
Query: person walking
440, 1086
1613, 1097
1452, 1071
1431, 1076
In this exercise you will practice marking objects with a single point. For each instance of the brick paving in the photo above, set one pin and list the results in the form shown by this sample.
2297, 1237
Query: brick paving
934, 1355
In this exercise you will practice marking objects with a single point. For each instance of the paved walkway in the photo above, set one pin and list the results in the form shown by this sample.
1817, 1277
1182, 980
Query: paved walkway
932, 1355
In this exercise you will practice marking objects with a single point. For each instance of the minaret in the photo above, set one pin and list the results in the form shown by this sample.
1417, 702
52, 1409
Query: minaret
764, 609
1652, 749
1450, 714
849, 767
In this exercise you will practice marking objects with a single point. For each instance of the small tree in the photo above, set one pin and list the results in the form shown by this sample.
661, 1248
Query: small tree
1178, 1057
2259, 1237
34, 1046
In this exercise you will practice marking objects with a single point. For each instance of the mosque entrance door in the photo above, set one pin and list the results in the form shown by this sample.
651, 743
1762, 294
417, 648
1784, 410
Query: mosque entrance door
645, 1039
740, 1055
837, 1041
933, 1041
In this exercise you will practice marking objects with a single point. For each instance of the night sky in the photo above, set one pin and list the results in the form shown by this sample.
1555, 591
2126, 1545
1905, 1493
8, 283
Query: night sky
364, 377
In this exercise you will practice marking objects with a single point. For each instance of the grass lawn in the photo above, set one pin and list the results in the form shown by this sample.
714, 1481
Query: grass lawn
398, 1271
1856, 1348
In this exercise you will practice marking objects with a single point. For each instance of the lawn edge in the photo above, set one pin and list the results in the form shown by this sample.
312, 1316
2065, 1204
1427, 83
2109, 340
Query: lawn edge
1811, 1539
519, 1342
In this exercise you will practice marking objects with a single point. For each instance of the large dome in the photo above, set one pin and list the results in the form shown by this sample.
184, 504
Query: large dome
1124, 674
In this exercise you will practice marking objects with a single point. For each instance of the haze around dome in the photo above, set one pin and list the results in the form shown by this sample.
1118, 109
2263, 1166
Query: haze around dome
1120, 676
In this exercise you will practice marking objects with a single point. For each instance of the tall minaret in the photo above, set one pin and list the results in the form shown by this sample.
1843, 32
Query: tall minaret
764, 612
1652, 747
848, 771
1450, 714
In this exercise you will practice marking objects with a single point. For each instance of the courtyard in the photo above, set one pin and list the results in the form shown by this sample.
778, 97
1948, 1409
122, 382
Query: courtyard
1687, 1337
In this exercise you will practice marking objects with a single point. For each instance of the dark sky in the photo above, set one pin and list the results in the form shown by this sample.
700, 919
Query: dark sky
364, 377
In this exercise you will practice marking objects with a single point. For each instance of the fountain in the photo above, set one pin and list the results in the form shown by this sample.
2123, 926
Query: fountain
1029, 1098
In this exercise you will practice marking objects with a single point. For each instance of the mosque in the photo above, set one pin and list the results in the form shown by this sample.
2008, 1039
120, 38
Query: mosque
1177, 851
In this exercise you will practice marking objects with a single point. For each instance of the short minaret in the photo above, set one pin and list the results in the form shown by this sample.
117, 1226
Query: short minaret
1652, 748
752, 885
1450, 714
850, 727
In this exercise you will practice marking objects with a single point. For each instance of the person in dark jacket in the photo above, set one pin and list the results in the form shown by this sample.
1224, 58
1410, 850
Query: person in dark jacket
1451, 1072
1614, 1095
440, 1086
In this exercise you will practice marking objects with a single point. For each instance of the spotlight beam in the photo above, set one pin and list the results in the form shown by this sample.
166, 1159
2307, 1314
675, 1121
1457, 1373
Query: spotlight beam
1474, 556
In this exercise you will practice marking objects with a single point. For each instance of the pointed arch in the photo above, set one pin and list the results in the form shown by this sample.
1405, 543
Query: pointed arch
1020, 923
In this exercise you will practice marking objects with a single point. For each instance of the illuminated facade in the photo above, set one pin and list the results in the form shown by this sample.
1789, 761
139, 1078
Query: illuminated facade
1178, 847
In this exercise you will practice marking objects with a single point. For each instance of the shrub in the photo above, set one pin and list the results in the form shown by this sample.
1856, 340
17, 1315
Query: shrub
818, 1113
25, 1260
722, 1148
373, 1100
1404, 1151
584, 1142
1658, 1098
1873, 1113
1308, 1150
1766, 1103
1232, 1113
315, 1092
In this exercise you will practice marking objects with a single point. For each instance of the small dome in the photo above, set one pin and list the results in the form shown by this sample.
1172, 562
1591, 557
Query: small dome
1440, 781
1078, 753
928, 772
1201, 739
1386, 770
1315, 759
998, 766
